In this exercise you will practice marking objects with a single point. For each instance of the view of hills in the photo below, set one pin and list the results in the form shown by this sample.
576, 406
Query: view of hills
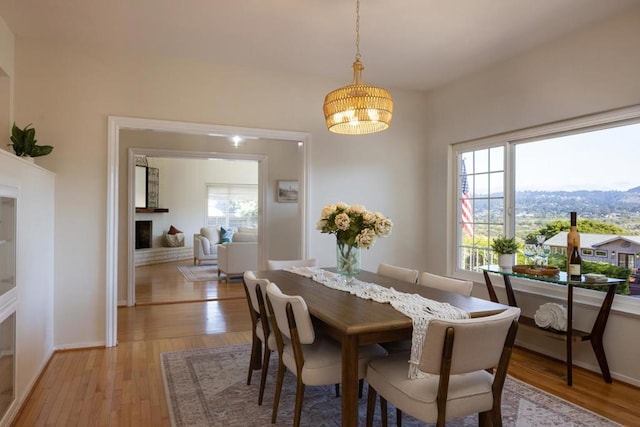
534, 209
597, 205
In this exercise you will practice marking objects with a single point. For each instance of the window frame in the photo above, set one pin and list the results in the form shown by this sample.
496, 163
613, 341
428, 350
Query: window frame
598, 121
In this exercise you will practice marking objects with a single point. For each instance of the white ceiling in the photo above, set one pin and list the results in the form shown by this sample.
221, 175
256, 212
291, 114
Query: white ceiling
413, 44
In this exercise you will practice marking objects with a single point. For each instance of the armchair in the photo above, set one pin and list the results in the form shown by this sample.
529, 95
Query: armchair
205, 245
236, 257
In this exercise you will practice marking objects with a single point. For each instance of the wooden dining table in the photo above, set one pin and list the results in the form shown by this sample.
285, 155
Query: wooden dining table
354, 321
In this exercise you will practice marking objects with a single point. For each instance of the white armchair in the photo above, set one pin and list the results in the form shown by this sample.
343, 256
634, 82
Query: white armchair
238, 256
205, 245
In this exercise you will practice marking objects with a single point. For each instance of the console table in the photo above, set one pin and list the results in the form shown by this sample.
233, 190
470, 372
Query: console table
599, 325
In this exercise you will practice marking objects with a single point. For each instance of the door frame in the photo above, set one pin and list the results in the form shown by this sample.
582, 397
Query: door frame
117, 123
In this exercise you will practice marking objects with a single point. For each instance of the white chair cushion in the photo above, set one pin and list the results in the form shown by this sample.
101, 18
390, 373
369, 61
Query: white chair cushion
398, 273
323, 360
247, 230
463, 287
271, 342
211, 233
389, 376
244, 237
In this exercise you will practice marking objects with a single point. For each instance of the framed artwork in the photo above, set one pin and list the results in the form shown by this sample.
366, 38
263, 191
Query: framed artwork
587, 252
601, 253
153, 187
287, 191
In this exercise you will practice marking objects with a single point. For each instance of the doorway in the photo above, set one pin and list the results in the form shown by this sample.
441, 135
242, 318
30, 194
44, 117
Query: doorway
120, 239
190, 193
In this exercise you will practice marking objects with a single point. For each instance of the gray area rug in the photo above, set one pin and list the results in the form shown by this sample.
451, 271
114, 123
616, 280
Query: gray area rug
207, 387
199, 273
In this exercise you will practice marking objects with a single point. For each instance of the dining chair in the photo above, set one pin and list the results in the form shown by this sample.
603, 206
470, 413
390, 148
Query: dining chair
450, 284
313, 358
399, 273
465, 362
279, 264
263, 341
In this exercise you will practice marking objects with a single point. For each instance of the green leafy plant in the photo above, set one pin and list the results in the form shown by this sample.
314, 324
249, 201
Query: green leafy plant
24, 142
505, 245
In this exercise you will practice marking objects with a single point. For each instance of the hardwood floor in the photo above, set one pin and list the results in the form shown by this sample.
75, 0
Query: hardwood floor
123, 385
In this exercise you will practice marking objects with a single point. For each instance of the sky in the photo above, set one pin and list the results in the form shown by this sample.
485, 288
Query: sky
607, 159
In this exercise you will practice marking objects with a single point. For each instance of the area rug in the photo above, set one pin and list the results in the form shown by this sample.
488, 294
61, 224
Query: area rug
199, 273
207, 387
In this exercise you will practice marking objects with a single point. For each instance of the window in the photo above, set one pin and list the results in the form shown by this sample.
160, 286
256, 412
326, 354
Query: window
526, 183
232, 205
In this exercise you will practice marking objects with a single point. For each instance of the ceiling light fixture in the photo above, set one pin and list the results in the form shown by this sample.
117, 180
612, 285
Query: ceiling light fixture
358, 108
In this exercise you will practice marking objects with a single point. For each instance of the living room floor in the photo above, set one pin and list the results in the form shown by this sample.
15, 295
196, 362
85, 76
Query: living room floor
123, 385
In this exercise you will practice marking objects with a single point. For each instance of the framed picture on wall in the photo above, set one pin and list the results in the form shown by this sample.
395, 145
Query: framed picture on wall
153, 190
287, 191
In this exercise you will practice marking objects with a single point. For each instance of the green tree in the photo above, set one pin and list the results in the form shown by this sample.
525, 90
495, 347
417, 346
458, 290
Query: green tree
584, 226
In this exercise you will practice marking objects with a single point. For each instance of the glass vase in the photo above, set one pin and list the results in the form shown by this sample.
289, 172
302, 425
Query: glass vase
348, 260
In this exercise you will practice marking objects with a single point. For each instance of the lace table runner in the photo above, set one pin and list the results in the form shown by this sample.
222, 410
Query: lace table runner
414, 306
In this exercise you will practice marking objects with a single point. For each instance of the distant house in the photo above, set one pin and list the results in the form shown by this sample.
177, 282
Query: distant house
612, 248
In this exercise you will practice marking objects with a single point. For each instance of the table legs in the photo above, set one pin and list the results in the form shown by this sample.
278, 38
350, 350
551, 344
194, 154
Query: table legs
597, 332
349, 380
595, 336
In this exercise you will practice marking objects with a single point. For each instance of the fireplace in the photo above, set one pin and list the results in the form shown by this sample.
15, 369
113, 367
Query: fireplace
143, 234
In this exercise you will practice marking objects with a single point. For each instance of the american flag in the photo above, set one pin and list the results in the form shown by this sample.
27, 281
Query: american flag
467, 212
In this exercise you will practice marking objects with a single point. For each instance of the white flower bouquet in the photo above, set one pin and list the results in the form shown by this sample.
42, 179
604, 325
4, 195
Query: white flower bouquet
353, 225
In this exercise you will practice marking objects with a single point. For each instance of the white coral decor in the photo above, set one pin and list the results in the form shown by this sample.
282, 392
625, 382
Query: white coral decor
552, 316
353, 225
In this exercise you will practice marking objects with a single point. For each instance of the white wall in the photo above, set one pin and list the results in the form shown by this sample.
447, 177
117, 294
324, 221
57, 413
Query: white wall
34, 247
591, 71
68, 95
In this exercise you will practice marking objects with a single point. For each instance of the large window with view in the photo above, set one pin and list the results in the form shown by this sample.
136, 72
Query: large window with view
232, 205
525, 186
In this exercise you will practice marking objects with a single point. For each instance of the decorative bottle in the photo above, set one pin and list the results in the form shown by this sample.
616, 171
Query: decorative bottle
575, 263
573, 238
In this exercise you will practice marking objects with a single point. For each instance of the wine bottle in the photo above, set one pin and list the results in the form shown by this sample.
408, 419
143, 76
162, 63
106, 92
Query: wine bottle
572, 236
575, 263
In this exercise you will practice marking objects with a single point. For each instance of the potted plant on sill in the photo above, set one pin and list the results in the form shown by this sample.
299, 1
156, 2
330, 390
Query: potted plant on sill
505, 247
24, 143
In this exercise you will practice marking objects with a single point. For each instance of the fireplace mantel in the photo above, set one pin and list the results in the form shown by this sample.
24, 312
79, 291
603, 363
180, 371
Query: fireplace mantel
152, 210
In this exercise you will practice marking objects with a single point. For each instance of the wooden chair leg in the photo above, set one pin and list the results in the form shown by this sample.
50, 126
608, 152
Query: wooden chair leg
276, 397
254, 360
371, 405
484, 419
299, 399
398, 417
263, 375
360, 388
383, 411
337, 390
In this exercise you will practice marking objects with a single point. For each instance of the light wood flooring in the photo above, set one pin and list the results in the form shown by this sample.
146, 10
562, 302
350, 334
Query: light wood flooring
122, 386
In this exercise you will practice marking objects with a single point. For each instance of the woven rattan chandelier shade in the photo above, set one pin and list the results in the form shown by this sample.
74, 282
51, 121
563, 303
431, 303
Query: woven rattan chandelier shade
359, 108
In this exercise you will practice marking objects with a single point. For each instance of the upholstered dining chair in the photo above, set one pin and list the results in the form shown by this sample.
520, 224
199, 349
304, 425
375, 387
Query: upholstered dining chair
450, 284
399, 273
312, 358
263, 341
466, 364
279, 264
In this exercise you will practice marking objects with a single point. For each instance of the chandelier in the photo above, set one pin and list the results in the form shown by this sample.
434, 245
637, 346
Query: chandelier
358, 108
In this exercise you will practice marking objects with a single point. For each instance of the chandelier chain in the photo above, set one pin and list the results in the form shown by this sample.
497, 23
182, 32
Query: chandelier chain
358, 56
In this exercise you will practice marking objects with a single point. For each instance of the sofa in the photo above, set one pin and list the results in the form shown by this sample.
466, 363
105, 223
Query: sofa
239, 255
